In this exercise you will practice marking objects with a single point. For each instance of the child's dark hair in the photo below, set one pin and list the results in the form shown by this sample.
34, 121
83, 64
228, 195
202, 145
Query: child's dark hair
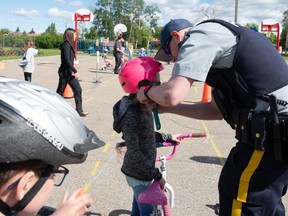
8, 170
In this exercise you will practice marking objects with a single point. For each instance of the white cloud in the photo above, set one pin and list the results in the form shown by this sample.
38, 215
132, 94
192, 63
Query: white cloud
25, 13
61, 1
248, 11
76, 3
55, 12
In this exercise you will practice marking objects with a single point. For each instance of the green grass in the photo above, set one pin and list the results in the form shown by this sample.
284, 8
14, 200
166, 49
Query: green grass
48, 52
42, 52
51, 52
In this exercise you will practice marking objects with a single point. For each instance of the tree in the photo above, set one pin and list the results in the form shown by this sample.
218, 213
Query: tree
132, 13
206, 12
104, 21
284, 34
17, 30
51, 29
252, 26
3, 32
48, 41
32, 31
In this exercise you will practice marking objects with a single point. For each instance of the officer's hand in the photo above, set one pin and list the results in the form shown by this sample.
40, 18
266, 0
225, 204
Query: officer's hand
141, 96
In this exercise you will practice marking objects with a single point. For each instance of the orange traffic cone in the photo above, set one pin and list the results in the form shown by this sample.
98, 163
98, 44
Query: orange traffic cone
206, 95
68, 93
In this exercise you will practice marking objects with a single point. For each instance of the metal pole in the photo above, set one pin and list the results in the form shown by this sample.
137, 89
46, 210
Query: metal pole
236, 11
76, 30
95, 80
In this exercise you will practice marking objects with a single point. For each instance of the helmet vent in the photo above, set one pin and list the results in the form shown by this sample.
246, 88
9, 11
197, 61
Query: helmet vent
124, 83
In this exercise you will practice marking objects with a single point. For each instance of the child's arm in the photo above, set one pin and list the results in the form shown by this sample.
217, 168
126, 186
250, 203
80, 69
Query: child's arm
162, 137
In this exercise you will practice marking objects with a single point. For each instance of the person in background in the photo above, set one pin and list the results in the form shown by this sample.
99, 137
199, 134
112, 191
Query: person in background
34, 149
142, 52
135, 122
249, 79
108, 61
118, 53
67, 72
27, 63
130, 51
125, 55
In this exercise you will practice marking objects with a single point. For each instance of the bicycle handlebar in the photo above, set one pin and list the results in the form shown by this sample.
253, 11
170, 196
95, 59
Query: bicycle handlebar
175, 146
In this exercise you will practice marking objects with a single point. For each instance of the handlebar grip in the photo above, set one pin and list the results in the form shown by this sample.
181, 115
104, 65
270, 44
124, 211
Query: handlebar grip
194, 135
157, 119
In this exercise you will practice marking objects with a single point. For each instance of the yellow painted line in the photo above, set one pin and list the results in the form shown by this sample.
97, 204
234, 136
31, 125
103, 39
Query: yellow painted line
93, 173
213, 143
88, 100
106, 147
95, 168
97, 164
195, 89
113, 133
86, 187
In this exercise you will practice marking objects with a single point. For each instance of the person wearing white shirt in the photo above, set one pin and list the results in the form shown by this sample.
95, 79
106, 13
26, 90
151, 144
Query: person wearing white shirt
29, 68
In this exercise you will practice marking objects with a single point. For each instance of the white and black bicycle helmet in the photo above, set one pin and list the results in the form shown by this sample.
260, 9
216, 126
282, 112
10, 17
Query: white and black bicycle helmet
38, 124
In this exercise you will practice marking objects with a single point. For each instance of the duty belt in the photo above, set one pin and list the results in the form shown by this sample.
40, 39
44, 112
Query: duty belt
265, 131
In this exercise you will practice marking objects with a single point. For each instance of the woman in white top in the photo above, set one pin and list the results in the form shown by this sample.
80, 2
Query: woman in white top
29, 58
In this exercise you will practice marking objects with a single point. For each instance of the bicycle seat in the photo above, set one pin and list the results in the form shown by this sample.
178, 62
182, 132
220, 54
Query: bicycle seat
153, 195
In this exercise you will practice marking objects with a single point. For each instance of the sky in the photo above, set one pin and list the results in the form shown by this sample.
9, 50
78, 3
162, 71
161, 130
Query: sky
39, 14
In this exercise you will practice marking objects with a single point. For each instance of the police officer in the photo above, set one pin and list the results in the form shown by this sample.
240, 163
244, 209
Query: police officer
249, 79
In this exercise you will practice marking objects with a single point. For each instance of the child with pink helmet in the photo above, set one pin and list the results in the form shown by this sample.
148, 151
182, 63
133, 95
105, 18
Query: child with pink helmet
135, 122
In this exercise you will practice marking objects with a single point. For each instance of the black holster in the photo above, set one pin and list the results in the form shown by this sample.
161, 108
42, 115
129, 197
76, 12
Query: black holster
262, 131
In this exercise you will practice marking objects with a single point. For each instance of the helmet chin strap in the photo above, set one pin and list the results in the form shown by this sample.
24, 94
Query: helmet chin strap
20, 205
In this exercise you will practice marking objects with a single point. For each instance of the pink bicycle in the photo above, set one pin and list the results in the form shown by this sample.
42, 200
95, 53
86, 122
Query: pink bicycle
163, 200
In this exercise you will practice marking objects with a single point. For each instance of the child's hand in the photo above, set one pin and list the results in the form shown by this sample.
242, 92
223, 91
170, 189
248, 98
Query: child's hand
77, 75
75, 205
175, 139
162, 183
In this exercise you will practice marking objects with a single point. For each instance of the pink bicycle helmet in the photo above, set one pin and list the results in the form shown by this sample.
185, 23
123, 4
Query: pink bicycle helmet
136, 70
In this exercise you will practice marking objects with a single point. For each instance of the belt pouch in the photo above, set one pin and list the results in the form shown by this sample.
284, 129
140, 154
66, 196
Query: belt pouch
258, 131
245, 126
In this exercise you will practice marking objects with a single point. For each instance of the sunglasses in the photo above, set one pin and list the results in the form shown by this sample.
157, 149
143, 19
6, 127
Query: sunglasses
166, 48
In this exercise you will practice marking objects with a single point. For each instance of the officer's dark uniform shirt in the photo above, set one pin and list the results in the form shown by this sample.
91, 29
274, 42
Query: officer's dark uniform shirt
211, 45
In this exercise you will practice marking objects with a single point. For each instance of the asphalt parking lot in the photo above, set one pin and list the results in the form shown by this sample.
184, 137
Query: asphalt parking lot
193, 173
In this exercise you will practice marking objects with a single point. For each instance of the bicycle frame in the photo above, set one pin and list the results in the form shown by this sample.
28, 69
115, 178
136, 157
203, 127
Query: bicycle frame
168, 187
154, 194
